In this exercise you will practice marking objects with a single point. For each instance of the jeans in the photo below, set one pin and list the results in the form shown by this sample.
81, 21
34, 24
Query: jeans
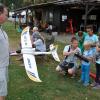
97, 80
85, 73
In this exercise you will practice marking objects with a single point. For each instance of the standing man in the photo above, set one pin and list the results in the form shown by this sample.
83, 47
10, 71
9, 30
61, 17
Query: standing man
4, 53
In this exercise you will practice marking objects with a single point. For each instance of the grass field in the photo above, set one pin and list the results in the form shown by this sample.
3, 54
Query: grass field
53, 87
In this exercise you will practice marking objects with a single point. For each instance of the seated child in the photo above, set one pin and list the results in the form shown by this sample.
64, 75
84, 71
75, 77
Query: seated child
69, 64
38, 41
85, 67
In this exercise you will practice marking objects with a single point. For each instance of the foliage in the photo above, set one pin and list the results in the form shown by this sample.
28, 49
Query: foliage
14, 4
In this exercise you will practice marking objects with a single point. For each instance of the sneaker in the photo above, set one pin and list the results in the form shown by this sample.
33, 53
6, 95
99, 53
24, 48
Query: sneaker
86, 84
58, 68
22, 65
62, 73
79, 67
80, 81
19, 59
93, 84
73, 76
96, 87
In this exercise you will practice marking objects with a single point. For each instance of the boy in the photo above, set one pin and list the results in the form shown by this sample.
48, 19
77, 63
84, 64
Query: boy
70, 61
92, 38
86, 65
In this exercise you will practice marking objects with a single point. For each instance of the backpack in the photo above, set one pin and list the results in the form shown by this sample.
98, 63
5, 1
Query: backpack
68, 51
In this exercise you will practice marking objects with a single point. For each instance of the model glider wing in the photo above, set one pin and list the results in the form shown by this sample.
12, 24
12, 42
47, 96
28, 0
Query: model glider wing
31, 68
29, 59
53, 50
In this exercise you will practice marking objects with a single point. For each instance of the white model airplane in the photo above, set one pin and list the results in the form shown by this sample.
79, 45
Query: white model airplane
29, 55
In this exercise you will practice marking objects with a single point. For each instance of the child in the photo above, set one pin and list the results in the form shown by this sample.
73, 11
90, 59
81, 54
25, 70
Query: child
38, 41
86, 65
80, 36
96, 84
70, 61
92, 38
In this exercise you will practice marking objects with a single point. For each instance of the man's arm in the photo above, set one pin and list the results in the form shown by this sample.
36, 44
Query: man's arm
68, 52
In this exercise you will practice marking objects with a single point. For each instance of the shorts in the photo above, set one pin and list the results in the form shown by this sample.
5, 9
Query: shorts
3, 81
65, 65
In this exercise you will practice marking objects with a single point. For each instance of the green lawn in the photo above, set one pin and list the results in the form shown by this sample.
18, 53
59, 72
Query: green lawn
53, 87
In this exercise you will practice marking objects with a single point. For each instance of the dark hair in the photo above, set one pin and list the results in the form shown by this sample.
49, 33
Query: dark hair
80, 33
2, 8
89, 27
73, 39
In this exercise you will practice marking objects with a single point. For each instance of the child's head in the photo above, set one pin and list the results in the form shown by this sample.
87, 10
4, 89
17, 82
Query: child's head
87, 45
80, 33
35, 29
89, 29
74, 42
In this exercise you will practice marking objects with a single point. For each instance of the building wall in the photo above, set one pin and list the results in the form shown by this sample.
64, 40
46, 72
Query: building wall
54, 15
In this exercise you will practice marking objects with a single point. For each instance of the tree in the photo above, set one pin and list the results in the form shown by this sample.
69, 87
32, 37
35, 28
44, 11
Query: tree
14, 4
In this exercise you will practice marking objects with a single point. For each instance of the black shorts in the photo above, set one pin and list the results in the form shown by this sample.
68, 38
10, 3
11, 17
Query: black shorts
66, 65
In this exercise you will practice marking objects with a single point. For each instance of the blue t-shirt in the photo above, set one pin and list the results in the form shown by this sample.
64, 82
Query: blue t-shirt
38, 41
40, 45
87, 53
93, 39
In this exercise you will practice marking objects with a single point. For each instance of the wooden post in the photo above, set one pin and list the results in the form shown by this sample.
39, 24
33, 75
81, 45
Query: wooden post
86, 15
27, 16
87, 11
15, 15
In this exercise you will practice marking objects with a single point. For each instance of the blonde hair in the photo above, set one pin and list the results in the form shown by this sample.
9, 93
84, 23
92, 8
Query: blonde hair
35, 28
87, 43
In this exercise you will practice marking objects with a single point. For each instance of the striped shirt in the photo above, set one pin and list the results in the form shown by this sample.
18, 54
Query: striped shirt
4, 49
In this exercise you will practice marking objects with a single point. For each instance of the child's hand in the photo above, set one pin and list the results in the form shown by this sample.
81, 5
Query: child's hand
90, 59
97, 48
75, 51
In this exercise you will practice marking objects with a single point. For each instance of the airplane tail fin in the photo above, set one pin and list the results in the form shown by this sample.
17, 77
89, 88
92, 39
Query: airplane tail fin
53, 50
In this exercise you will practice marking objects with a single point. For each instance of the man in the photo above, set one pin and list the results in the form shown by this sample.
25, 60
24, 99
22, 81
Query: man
70, 61
4, 53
